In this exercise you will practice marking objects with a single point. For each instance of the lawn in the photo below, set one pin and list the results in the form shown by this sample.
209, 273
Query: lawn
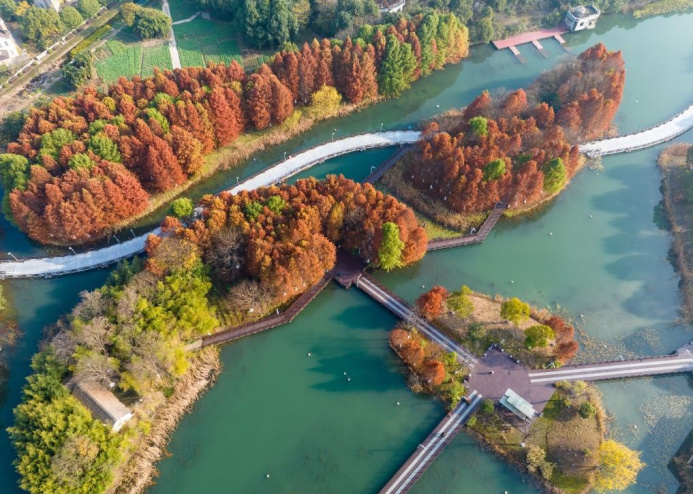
182, 9
201, 41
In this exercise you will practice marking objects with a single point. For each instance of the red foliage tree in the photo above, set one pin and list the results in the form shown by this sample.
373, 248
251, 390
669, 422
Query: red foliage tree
433, 372
432, 303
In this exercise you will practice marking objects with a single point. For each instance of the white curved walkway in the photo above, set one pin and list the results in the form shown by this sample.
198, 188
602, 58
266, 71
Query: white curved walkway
666, 131
45, 267
55, 266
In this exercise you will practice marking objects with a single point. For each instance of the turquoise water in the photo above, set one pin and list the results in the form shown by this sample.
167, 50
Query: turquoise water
274, 410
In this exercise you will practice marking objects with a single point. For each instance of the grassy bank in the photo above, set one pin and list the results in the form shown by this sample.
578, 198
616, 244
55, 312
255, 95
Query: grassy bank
661, 7
677, 184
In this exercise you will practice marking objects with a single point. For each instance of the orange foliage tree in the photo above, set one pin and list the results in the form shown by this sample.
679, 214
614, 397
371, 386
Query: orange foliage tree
432, 303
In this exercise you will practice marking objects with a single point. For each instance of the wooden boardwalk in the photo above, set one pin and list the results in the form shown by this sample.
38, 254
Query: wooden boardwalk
285, 317
476, 238
389, 163
427, 452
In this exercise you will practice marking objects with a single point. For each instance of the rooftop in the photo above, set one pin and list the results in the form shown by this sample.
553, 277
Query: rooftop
582, 11
518, 405
103, 404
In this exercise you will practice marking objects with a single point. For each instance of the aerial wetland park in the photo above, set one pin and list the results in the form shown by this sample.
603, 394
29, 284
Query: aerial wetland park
346, 246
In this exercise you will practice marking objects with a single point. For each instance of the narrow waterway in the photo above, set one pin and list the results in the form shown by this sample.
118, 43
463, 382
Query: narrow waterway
275, 410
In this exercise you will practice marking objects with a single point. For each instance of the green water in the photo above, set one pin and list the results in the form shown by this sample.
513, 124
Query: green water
275, 410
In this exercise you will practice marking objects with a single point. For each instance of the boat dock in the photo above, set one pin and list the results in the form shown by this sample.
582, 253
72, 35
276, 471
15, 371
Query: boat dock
532, 37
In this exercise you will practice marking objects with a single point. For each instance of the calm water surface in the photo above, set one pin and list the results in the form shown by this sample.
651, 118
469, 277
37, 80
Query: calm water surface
275, 410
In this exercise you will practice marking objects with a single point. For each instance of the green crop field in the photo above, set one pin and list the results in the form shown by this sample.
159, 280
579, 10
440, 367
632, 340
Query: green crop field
155, 56
201, 41
116, 59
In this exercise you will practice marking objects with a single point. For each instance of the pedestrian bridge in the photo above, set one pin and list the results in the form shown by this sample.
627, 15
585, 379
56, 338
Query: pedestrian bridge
56, 266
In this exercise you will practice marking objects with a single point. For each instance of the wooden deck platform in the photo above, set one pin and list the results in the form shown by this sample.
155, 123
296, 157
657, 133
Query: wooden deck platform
532, 37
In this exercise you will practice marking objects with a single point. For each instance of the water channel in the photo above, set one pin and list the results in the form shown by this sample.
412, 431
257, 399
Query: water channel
275, 410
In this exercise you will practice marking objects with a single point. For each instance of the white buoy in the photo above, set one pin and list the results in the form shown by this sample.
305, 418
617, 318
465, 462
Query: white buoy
309, 354
550, 233
345, 373
511, 281
267, 476
348, 379
581, 316
437, 106
398, 403
591, 216
423, 286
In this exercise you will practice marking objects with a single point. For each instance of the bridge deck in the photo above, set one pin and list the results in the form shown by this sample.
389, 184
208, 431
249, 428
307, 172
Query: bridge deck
477, 238
403, 310
430, 449
669, 364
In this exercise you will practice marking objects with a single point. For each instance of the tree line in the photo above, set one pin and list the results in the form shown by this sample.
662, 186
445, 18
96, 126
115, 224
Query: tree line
285, 238
81, 165
45, 26
522, 148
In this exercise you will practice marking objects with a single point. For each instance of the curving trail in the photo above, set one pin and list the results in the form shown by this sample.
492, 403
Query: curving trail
55, 266
674, 127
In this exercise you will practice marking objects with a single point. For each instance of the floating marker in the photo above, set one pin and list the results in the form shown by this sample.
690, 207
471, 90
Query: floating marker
309, 354
550, 233
398, 403
345, 373
511, 281
591, 216
348, 379
267, 476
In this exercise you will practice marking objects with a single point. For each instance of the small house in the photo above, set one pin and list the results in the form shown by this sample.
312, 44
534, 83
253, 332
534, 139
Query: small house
582, 17
103, 404
392, 6
48, 4
9, 50
518, 405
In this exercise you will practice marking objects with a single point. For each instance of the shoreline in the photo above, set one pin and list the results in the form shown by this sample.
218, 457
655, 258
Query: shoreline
139, 470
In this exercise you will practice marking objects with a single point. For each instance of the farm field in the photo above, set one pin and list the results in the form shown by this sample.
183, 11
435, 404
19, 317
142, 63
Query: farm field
201, 41
182, 9
125, 56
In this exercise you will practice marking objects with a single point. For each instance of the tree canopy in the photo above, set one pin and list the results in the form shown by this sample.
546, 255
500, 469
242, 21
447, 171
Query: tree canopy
514, 310
618, 467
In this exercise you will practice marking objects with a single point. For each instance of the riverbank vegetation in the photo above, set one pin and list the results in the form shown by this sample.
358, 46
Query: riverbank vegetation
566, 447
246, 256
660, 7
676, 163
535, 337
520, 148
101, 157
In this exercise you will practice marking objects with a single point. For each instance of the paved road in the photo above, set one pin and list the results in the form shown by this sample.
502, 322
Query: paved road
403, 310
435, 443
615, 370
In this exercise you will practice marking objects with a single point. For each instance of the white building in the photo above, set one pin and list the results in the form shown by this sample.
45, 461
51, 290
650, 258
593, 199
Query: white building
392, 6
582, 17
48, 4
9, 50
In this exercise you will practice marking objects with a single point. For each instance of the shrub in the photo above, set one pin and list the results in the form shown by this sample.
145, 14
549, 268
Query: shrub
515, 310
479, 126
182, 208
538, 336
494, 170
587, 410
487, 407
459, 302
